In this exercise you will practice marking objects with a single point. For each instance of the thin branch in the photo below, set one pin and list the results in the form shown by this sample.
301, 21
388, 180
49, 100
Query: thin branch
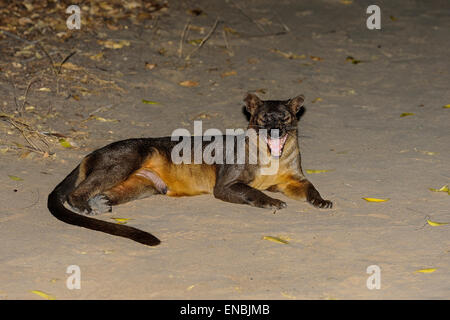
183, 37
247, 16
12, 35
204, 39
227, 45
26, 95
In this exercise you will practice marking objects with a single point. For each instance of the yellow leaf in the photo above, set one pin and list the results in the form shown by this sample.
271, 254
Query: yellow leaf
44, 89
121, 220
188, 83
43, 295
447, 106
275, 239
316, 99
436, 224
442, 189
15, 178
316, 171
376, 199
405, 114
149, 102
65, 143
429, 270
346, 2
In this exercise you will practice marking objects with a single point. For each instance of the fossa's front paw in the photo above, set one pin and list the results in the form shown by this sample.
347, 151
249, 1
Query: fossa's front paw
270, 203
320, 203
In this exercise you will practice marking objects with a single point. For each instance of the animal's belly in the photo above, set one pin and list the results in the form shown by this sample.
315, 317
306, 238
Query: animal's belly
183, 179
190, 180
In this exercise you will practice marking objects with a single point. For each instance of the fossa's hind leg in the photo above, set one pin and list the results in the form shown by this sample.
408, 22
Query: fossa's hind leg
98, 179
139, 185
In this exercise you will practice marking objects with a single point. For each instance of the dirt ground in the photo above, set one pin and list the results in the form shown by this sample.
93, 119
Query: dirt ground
375, 120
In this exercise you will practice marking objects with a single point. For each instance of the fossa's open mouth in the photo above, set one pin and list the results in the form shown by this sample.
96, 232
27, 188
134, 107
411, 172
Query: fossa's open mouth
276, 145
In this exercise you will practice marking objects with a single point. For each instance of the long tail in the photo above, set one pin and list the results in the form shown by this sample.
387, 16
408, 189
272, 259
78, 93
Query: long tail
55, 203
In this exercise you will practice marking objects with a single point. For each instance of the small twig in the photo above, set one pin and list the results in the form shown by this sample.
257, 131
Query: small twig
34, 203
23, 127
14, 93
154, 27
227, 45
12, 35
65, 60
204, 39
26, 95
104, 108
48, 57
183, 36
248, 17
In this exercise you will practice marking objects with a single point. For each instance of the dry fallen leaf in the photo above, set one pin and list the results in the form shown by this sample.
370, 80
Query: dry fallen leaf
314, 58
110, 44
149, 102
436, 224
289, 55
65, 143
442, 189
188, 83
195, 42
229, 73
230, 30
375, 199
429, 270
97, 57
69, 66
275, 239
352, 60
150, 66
101, 119
447, 106
316, 99
15, 178
405, 114
43, 295
121, 220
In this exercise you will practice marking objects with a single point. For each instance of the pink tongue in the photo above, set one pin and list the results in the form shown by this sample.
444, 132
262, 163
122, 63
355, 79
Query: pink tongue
276, 145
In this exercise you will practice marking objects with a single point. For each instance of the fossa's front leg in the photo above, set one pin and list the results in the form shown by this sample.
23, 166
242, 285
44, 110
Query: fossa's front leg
241, 193
304, 190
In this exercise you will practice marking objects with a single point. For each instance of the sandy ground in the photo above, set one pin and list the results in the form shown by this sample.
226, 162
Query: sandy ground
214, 250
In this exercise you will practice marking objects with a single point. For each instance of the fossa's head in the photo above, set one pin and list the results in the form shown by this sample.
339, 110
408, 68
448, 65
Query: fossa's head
278, 117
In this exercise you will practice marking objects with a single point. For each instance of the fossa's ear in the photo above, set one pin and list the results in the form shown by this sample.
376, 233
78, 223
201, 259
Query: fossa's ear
252, 102
296, 103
